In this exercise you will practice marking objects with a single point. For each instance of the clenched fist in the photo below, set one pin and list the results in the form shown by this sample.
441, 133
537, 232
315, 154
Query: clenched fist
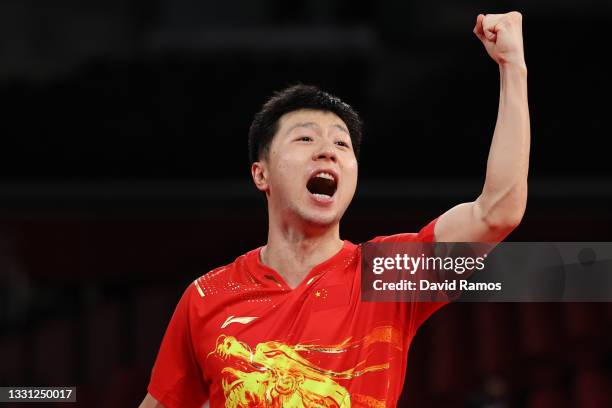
502, 36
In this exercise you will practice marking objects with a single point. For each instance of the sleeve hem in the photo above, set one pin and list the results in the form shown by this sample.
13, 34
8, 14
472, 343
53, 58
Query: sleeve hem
168, 400
427, 233
164, 399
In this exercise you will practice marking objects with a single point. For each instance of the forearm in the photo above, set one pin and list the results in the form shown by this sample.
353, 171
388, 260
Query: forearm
500, 206
504, 195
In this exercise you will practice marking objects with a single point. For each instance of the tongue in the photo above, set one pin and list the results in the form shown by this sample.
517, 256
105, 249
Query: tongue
320, 185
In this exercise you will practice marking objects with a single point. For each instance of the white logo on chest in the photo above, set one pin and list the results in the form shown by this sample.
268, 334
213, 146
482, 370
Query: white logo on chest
234, 319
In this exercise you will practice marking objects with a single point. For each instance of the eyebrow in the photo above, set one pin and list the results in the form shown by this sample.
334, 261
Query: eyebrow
312, 125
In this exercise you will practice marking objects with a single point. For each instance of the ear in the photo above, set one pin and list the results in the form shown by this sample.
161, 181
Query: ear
259, 172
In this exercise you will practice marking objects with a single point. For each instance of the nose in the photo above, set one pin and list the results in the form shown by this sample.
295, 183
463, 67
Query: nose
326, 151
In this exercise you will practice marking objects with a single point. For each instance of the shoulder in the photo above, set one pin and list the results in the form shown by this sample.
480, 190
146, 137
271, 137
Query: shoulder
403, 237
224, 278
426, 234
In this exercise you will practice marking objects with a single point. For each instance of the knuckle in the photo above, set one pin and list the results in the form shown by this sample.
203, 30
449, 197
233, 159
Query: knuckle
516, 15
504, 23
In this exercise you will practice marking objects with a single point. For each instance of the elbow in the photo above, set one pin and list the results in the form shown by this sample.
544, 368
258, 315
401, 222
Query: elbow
507, 221
501, 224
505, 214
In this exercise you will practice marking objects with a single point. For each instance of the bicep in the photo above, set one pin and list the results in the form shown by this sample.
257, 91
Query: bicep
150, 402
466, 223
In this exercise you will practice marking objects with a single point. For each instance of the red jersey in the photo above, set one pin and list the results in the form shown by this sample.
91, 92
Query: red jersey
240, 337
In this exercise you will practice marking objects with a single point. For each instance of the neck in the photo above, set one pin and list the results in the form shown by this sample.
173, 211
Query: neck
293, 249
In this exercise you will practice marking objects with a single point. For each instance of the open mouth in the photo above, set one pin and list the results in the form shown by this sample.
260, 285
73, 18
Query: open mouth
322, 185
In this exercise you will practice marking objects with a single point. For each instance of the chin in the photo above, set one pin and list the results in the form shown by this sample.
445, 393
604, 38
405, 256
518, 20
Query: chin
320, 220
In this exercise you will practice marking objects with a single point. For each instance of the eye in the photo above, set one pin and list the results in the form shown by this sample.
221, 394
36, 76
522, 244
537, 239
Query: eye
342, 143
304, 139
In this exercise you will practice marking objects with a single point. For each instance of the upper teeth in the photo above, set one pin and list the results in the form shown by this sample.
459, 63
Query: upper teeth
325, 175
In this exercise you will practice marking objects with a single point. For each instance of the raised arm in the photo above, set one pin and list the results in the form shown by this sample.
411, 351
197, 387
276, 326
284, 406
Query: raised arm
501, 205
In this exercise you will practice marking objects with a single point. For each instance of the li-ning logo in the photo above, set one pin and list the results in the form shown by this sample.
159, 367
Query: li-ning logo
234, 319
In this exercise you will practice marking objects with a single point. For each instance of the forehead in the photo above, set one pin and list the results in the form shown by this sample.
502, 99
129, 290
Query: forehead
321, 118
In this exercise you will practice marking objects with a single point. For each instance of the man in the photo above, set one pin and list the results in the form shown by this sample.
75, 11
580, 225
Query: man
283, 325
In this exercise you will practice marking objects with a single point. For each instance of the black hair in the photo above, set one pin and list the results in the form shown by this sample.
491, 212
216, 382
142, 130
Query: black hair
297, 97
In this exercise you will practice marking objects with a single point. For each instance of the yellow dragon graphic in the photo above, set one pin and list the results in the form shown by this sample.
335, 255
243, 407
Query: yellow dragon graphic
276, 374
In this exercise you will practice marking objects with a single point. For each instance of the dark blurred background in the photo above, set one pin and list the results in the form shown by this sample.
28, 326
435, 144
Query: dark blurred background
124, 175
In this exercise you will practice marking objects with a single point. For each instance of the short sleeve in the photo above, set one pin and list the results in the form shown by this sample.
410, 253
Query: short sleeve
426, 234
176, 379
414, 313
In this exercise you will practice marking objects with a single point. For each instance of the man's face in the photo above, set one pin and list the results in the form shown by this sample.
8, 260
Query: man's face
311, 170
